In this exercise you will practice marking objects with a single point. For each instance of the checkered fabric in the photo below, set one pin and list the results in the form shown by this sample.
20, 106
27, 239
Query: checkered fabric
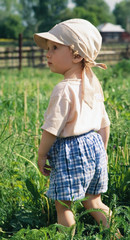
79, 166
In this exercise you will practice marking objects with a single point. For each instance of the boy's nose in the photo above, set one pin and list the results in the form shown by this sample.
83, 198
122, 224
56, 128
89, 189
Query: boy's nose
48, 54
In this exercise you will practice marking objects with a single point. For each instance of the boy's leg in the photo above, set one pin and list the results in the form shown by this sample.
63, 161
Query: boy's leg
64, 215
94, 201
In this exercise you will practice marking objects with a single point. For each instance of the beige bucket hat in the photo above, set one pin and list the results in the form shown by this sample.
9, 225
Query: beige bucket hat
86, 39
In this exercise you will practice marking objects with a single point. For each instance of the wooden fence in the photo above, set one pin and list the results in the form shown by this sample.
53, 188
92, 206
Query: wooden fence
17, 57
28, 57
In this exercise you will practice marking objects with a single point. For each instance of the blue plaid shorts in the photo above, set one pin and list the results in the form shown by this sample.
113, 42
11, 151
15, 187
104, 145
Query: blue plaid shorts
79, 166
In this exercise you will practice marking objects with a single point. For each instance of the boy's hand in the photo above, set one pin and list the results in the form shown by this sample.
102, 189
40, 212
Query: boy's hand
47, 141
44, 168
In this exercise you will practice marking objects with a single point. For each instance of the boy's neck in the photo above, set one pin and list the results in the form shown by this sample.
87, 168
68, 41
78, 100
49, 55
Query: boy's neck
73, 74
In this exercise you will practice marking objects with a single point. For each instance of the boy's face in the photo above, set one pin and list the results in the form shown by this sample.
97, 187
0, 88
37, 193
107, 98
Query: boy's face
60, 58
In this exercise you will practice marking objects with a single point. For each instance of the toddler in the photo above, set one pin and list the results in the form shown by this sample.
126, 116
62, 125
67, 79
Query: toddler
76, 128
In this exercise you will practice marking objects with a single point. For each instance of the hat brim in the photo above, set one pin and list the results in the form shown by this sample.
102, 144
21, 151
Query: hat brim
41, 39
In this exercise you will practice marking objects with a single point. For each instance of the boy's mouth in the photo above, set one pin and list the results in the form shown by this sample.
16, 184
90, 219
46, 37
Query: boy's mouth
49, 63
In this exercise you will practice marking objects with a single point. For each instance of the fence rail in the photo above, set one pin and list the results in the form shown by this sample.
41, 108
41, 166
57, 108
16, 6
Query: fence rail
30, 57
12, 57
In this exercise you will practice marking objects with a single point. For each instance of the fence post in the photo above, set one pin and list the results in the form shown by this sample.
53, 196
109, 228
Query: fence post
33, 56
20, 51
127, 51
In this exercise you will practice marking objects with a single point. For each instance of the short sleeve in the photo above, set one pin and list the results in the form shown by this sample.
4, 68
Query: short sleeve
56, 115
105, 119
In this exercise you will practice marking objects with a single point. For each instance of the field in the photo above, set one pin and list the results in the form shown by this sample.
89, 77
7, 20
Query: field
25, 211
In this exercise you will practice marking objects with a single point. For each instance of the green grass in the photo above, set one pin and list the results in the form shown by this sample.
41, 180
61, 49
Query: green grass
25, 212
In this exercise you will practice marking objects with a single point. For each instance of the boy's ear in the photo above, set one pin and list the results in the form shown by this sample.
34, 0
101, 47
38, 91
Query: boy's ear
77, 59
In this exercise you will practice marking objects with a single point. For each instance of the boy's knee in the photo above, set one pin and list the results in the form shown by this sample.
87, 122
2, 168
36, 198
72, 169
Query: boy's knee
64, 214
60, 207
90, 204
93, 201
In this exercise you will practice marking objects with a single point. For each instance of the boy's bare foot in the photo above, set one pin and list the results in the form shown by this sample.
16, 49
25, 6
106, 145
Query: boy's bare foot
118, 234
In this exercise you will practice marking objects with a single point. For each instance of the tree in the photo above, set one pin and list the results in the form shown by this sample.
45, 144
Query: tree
21, 12
97, 11
80, 12
26, 11
8, 5
11, 26
87, 3
122, 13
47, 13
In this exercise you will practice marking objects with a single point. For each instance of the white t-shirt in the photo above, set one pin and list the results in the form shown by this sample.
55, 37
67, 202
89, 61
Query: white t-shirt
68, 115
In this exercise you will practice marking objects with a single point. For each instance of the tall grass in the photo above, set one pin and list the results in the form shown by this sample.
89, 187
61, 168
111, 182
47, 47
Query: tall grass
25, 211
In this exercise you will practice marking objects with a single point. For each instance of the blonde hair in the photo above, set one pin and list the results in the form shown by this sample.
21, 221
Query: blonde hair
76, 54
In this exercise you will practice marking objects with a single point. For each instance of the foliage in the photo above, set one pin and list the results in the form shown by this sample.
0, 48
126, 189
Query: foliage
98, 8
22, 12
9, 5
11, 26
25, 211
27, 16
10, 20
47, 13
81, 12
122, 13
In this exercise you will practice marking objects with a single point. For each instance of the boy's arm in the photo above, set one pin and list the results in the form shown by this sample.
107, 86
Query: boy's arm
47, 141
105, 132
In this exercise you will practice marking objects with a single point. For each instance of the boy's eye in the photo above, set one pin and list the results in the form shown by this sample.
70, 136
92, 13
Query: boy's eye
54, 47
